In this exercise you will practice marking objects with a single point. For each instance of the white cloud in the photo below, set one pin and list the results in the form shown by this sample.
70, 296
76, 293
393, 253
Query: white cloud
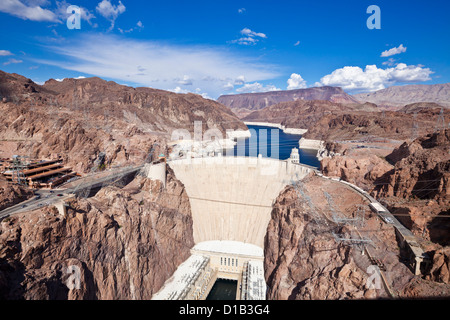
158, 65
256, 87
79, 77
29, 10
139, 26
250, 33
34, 3
239, 80
186, 81
179, 90
228, 87
390, 62
297, 43
249, 37
110, 11
355, 79
12, 60
184, 91
393, 51
203, 94
5, 53
242, 10
296, 82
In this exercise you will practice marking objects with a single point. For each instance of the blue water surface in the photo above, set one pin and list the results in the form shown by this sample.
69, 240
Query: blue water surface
262, 142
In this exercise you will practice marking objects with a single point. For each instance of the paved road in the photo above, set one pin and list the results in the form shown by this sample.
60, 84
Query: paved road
41, 199
49, 197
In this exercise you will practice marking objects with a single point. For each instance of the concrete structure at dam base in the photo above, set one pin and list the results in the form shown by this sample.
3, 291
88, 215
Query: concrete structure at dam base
212, 260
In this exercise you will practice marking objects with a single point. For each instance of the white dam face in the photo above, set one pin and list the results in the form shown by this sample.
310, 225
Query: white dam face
231, 197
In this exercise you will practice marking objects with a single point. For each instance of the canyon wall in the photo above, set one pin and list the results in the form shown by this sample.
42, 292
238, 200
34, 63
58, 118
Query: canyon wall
124, 242
303, 259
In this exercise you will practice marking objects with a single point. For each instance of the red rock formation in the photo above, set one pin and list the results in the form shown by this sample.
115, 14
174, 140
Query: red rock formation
11, 194
440, 270
125, 242
422, 169
303, 260
360, 170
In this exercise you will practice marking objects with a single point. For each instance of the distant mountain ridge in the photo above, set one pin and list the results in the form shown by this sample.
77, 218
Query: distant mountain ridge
246, 103
397, 96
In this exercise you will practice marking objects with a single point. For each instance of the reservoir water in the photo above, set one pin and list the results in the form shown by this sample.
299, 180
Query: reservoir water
262, 142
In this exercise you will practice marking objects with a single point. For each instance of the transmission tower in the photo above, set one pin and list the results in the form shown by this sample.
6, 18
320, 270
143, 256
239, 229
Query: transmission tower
18, 166
415, 126
440, 123
302, 196
354, 223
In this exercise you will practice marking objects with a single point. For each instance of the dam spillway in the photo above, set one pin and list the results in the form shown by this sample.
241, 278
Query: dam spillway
231, 197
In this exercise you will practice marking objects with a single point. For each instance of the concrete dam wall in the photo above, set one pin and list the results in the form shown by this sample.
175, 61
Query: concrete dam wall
231, 197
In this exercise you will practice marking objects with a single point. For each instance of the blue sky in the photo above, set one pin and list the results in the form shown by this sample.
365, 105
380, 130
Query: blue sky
225, 47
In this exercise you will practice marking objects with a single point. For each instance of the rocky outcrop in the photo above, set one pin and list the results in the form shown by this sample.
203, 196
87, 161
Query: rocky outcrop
329, 149
244, 104
362, 171
120, 244
402, 95
302, 259
440, 266
421, 169
11, 194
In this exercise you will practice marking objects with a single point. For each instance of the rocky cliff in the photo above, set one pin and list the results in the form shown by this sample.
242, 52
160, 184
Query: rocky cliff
361, 170
303, 260
244, 104
79, 119
11, 194
123, 244
421, 169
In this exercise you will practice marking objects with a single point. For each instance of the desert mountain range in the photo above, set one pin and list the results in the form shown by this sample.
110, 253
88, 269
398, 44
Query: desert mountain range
244, 104
396, 96
392, 98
